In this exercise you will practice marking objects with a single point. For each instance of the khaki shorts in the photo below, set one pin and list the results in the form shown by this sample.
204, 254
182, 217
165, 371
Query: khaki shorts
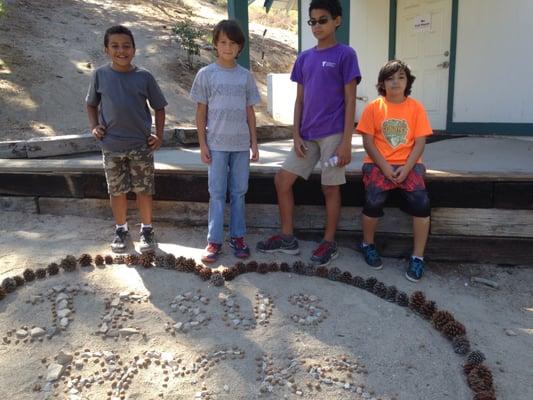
129, 171
317, 150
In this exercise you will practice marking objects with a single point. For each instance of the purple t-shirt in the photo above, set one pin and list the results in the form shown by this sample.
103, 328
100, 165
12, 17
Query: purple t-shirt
323, 73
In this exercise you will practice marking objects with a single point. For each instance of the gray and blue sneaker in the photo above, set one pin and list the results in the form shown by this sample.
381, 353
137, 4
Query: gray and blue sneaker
324, 254
371, 256
276, 243
119, 243
415, 270
146, 240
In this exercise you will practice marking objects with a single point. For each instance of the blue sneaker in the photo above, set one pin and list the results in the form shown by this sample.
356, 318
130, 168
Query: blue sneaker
240, 248
371, 255
324, 254
276, 243
415, 270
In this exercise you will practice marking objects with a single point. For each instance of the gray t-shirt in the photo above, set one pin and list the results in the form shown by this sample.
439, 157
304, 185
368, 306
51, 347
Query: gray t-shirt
123, 110
227, 92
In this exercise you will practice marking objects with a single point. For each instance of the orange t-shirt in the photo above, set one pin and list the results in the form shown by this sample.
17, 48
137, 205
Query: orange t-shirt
394, 127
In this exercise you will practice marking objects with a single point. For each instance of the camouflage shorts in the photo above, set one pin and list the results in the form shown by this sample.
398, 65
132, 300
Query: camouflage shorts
131, 170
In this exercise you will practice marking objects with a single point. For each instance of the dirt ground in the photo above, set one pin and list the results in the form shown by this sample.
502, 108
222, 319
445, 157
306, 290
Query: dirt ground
48, 51
392, 352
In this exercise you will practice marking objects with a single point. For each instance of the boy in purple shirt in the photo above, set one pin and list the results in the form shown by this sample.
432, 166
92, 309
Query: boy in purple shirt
324, 112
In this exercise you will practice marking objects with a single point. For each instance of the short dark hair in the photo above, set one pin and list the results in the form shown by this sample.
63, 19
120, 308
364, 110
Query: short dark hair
115, 30
231, 29
389, 69
332, 6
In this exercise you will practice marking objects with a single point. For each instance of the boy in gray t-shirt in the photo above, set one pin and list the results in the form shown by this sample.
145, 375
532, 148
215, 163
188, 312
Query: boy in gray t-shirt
225, 94
120, 118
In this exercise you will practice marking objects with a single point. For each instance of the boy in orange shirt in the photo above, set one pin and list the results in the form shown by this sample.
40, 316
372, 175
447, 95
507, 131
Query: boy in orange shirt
394, 129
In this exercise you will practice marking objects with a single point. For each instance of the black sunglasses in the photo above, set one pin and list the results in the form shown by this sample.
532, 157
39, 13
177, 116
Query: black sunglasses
320, 21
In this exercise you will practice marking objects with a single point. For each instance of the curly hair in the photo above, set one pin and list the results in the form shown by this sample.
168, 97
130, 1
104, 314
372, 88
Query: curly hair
388, 70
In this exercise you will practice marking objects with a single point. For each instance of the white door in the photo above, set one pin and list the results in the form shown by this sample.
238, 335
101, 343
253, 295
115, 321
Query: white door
423, 41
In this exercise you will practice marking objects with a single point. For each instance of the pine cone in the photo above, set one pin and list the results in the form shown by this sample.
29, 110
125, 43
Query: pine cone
461, 345
68, 263
40, 273
198, 268
241, 268
284, 267
3, 293
334, 274
453, 329
428, 309
29, 275
475, 357
53, 269
146, 260
85, 260
217, 279
402, 299
132, 259
180, 264
205, 274
358, 281
309, 270
252, 266
346, 277
298, 267
98, 260
19, 280
391, 294
160, 262
487, 395
229, 274
170, 261
322, 272
480, 379
119, 260
369, 283
380, 289
417, 300
273, 267
468, 367
441, 318
262, 268
108, 260
189, 265
9, 285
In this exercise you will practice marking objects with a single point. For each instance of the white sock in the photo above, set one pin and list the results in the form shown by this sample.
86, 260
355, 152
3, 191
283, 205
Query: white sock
420, 258
125, 226
145, 226
363, 244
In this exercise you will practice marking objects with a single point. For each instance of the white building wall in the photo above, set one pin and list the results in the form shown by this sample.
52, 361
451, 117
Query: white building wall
494, 56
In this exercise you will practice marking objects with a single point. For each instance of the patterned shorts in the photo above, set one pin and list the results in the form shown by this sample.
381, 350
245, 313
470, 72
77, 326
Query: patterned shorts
129, 171
375, 181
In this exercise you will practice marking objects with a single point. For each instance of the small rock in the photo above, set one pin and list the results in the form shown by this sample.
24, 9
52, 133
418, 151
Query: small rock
64, 322
54, 372
21, 333
103, 328
63, 313
510, 332
64, 357
128, 331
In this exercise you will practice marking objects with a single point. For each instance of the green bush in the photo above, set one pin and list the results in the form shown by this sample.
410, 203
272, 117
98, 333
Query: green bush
188, 35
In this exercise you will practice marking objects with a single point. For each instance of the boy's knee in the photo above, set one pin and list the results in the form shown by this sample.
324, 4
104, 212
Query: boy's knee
330, 190
418, 204
374, 203
283, 180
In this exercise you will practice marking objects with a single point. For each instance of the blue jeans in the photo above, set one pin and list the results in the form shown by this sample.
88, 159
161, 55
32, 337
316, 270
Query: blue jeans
228, 171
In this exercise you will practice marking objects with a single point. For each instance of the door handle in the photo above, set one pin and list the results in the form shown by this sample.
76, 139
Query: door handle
444, 64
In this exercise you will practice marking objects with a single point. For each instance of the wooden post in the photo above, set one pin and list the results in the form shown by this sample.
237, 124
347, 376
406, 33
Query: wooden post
238, 10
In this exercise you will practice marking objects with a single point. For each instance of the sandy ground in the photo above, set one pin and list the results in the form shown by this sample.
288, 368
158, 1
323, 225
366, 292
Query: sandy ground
393, 353
48, 51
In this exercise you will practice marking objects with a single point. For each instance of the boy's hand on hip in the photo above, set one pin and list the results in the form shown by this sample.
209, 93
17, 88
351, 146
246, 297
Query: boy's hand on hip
255, 153
344, 152
98, 131
400, 174
154, 141
205, 155
299, 146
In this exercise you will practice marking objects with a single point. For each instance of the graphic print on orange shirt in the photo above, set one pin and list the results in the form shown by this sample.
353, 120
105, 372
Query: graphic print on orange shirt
395, 131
